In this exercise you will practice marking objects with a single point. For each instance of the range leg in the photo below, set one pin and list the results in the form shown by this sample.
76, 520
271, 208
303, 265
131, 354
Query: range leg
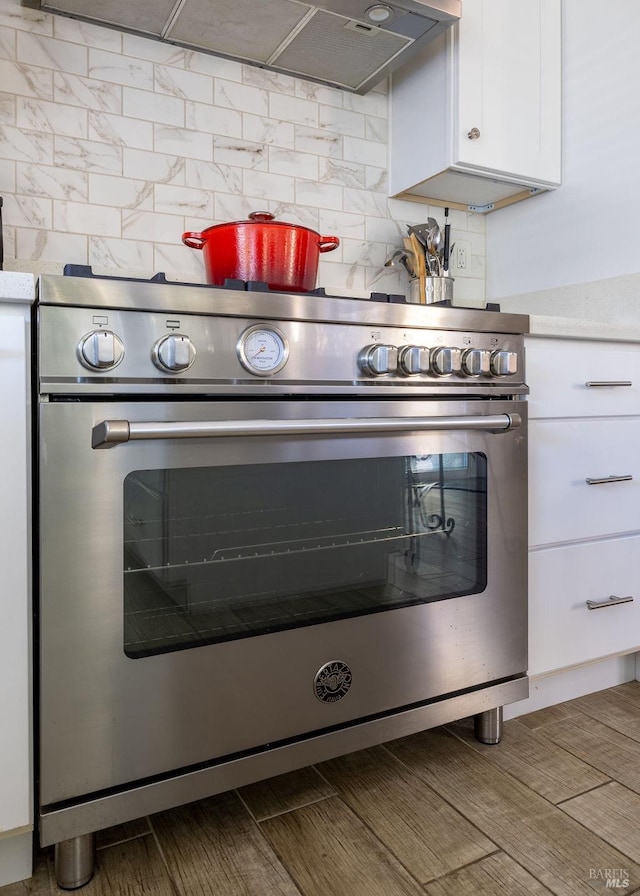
488, 726
75, 861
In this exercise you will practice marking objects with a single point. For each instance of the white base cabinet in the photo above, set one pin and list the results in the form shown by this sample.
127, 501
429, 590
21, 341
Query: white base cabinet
584, 424
476, 118
16, 761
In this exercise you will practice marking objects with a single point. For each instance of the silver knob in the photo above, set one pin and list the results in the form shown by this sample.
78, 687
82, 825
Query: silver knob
473, 134
173, 353
413, 359
100, 350
445, 360
475, 362
378, 359
504, 363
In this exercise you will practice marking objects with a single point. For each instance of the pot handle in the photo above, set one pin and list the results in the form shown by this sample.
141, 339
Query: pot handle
328, 243
193, 240
263, 217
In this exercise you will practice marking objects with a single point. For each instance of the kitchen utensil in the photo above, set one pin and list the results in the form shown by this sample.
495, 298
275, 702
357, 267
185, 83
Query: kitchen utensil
433, 246
446, 249
418, 250
284, 256
436, 289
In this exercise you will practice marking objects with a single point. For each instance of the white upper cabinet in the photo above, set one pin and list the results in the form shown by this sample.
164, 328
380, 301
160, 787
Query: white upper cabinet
476, 118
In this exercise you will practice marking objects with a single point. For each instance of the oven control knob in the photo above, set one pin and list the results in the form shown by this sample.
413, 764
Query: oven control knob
475, 362
101, 350
504, 363
445, 360
378, 359
413, 359
173, 353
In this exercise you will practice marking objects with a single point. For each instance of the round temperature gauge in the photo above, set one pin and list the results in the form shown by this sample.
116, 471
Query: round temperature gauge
263, 350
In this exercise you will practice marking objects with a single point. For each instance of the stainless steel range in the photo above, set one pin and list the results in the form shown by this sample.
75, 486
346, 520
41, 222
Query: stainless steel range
273, 529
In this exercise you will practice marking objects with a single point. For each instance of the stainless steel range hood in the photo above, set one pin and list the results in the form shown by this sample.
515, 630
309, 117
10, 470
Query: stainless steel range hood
351, 44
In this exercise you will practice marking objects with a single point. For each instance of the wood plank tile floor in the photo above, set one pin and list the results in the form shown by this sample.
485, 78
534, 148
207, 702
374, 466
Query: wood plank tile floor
553, 809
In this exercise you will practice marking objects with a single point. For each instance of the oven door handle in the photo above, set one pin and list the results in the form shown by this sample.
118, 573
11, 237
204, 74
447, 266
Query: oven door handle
110, 433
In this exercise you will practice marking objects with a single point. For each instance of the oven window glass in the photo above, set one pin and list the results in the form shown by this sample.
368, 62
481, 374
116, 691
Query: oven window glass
215, 554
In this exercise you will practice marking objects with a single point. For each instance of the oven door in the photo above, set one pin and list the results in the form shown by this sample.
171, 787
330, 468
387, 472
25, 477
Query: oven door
220, 576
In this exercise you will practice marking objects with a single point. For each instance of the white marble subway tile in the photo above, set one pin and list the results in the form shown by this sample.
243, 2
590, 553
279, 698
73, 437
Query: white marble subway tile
213, 119
47, 52
152, 226
55, 183
341, 278
24, 80
231, 95
182, 142
8, 109
278, 82
154, 50
179, 262
120, 131
375, 102
87, 93
82, 217
310, 192
348, 174
240, 153
46, 245
295, 214
8, 175
212, 176
368, 203
364, 252
10, 254
342, 224
88, 155
237, 208
218, 66
376, 179
270, 131
319, 93
341, 121
274, 187
87, 34
376, 129
188, 201
366, 151
121, 255
121, 192
28, 146
389, 231
54, 118
117, 69
472, 221
296, 164
387, 280
13, 15
155, 107
29, 211
183, 84
294, 109
467, 289
318, 141
153, 166
8, 44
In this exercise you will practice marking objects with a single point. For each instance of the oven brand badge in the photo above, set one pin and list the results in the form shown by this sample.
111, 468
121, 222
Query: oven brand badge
332, 681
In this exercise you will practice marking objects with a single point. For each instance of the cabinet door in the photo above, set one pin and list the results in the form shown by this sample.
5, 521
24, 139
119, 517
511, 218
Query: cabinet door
563, 454
563, 631
507, 62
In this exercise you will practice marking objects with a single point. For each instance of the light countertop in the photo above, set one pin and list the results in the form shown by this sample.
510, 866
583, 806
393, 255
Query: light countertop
17, 288
552, 327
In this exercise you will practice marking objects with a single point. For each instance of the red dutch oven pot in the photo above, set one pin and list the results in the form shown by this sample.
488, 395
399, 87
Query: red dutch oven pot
284, 256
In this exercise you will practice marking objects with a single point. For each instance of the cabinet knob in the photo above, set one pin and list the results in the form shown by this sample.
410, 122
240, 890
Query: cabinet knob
473, 134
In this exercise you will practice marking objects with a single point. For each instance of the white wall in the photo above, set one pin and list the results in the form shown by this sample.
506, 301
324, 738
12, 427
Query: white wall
588, 229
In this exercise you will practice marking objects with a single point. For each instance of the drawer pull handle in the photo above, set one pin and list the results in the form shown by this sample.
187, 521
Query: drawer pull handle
596, 383
609, 602
605, 479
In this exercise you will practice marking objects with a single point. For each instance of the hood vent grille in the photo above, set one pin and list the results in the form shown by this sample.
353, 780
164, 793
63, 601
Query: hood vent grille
331, 41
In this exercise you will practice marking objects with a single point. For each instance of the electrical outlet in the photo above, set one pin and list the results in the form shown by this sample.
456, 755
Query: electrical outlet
461, 260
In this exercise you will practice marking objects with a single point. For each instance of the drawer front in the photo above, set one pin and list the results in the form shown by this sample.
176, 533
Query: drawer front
563, 454
562, 630
558, 373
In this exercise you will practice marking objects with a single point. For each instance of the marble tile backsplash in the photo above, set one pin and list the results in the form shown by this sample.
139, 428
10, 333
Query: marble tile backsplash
112, 146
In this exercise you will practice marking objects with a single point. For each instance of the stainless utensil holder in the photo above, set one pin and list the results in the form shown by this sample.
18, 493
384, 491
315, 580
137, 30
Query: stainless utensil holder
436, 289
